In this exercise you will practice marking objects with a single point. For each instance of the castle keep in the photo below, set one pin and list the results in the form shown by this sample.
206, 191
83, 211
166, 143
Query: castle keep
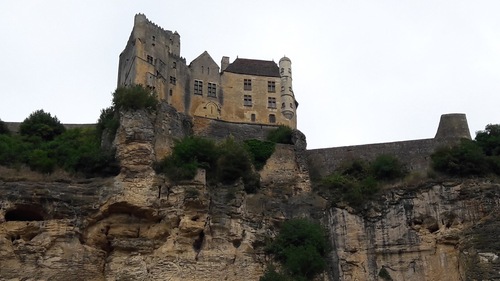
246, 91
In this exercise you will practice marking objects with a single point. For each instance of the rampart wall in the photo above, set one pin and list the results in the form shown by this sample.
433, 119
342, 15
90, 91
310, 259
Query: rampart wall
14, 126
218, 129
415, 155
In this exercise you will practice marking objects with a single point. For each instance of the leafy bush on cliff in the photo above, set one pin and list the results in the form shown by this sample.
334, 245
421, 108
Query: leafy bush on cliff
41, 126
134, 98
387, 167
13, 150
282, 134
76, 150
225, 162
187, 156
478, 157
108, 123
259, 151
301, 247
3, 128
357, 181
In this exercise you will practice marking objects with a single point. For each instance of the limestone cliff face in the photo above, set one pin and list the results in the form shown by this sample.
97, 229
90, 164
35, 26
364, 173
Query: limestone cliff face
138, 226
433, 232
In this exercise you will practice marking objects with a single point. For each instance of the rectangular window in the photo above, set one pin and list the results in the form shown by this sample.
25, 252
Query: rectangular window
271, 86
150, 59
212, 90
271, 102
272, 118
173, 80
198, 87
247, 100
252, 117
247, 84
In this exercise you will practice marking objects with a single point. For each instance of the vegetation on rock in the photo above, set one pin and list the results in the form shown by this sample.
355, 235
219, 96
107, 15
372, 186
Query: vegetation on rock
477, 157
3, 128
44, 145
301, 248
358, 181
134, 98
260, 152
41, 126
225, 162
108, 123
282, 134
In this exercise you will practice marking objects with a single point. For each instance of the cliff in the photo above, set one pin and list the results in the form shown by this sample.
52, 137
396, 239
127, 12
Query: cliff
435, 231
139, 226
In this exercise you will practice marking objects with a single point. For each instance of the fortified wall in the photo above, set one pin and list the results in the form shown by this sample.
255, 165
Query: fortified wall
415, 154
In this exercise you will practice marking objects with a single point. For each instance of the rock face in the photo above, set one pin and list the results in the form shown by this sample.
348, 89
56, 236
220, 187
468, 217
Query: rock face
434, 232
139, 226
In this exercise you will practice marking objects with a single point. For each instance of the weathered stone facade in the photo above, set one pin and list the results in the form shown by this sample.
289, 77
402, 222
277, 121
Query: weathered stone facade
245, 91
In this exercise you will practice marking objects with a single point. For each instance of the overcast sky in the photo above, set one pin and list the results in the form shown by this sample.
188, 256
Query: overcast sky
364, 71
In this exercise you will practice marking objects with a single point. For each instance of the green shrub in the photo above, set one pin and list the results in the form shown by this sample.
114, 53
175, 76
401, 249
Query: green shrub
260, 151
41, 126
471, 158
225, 162
187, 156
282, 134
4, 130
134, 98
39, 160
357, 181
465, 159
233, 161
108, 123
489, 140
13, 150
387, 167
301, 247
272, 275
78, 150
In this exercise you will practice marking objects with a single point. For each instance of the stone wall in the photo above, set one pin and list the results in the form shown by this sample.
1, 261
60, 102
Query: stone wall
218, 129
414, 154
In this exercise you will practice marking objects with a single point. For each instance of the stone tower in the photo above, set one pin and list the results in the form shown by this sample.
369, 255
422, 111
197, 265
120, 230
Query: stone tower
288, 104
454, 126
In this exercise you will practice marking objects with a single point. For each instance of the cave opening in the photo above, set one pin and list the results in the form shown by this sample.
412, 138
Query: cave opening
24, 213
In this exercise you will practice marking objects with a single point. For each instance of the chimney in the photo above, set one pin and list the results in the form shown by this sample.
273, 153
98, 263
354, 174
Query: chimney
224, 63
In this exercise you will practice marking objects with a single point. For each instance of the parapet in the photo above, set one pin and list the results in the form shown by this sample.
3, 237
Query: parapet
453, 125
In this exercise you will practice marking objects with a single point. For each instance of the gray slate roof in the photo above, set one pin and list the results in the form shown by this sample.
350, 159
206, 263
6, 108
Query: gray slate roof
254, 67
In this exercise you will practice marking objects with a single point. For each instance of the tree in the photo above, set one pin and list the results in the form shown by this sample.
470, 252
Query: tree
4, 130
134, 98
489, 140
41, 124
301, 247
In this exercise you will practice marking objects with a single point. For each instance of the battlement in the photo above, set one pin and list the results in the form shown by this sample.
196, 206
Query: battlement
142, 19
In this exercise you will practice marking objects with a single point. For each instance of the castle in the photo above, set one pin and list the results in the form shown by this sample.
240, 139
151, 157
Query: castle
246, 91
247, 98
